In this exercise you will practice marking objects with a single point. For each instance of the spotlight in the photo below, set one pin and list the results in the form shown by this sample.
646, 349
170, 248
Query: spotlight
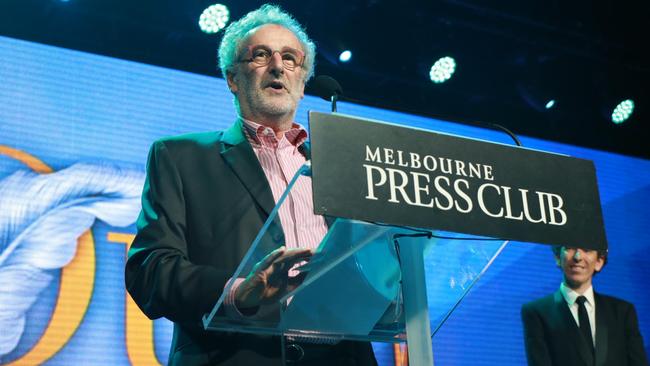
214, 18
550, 104
623, 111
442, 70
345, 56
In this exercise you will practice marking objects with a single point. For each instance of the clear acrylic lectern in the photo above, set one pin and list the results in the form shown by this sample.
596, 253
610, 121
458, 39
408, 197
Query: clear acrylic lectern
367, 281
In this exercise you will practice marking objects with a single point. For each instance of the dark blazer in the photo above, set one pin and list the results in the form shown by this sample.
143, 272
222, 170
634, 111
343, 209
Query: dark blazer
552, 336
204, 200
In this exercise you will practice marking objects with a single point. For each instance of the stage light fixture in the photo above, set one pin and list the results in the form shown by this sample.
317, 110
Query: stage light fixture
345, 56
214, 18
623, 111
550, 104
442, 70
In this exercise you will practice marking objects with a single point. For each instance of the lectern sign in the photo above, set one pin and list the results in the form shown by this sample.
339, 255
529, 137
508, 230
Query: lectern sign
397, 175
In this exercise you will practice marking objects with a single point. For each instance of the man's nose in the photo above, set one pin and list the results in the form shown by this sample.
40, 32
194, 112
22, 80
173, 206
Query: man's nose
275, 64
577, 255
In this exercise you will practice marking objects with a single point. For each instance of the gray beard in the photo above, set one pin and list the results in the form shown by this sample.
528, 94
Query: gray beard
271, 106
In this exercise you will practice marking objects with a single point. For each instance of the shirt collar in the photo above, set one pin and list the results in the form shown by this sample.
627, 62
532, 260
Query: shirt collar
265, 136
570, 296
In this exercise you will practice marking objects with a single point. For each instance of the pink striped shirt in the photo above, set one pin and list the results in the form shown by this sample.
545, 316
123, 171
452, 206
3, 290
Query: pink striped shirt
280, 160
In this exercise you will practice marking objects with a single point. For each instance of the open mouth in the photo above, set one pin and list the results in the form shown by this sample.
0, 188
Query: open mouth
276, 85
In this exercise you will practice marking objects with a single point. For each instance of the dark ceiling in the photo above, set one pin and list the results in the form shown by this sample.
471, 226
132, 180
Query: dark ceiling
512, 55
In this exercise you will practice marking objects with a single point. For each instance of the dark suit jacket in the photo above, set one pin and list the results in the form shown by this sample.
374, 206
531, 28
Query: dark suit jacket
204, 201
552, 336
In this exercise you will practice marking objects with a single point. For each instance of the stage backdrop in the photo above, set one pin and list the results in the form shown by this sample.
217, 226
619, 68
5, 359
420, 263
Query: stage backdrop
75, 129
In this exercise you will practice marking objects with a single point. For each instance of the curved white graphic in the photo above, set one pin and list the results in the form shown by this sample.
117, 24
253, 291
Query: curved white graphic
41, 217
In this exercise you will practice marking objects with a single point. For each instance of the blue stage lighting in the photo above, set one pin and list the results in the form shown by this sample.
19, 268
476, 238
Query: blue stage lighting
214, 18
442, 70
345, 56
623, 111
550, 104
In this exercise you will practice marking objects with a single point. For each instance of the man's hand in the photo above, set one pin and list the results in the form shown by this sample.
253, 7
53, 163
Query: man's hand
269, 280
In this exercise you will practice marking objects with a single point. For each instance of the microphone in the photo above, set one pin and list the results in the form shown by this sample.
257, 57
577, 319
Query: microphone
327, 88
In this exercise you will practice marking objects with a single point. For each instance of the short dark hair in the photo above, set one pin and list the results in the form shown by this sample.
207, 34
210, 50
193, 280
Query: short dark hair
601, 253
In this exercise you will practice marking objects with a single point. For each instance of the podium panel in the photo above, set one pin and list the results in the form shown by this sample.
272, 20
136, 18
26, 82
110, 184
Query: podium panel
354, 284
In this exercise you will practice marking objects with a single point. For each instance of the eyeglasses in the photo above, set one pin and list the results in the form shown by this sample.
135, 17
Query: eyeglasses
261, 55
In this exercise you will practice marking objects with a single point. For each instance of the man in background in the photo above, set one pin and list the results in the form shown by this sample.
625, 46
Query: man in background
207, 196
577, 326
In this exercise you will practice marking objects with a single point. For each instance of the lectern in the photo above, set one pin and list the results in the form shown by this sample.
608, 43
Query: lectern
418, 217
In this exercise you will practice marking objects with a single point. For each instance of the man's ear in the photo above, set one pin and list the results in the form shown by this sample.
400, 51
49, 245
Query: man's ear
600, 262
304, 83
232, 83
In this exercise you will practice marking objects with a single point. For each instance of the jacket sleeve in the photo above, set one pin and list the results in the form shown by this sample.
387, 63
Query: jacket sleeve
636, 355
537, 352
159, 276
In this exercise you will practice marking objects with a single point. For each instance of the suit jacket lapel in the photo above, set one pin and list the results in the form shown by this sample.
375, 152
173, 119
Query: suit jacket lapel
572, 329
601, 331
239, 155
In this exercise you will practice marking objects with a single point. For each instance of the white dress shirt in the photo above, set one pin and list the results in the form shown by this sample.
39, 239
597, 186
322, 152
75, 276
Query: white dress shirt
570, 297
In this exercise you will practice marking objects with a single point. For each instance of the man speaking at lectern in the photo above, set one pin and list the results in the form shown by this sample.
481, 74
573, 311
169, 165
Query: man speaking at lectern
207, 196
576, 326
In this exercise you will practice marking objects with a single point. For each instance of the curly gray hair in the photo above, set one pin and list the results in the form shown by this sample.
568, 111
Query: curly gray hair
238, 32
